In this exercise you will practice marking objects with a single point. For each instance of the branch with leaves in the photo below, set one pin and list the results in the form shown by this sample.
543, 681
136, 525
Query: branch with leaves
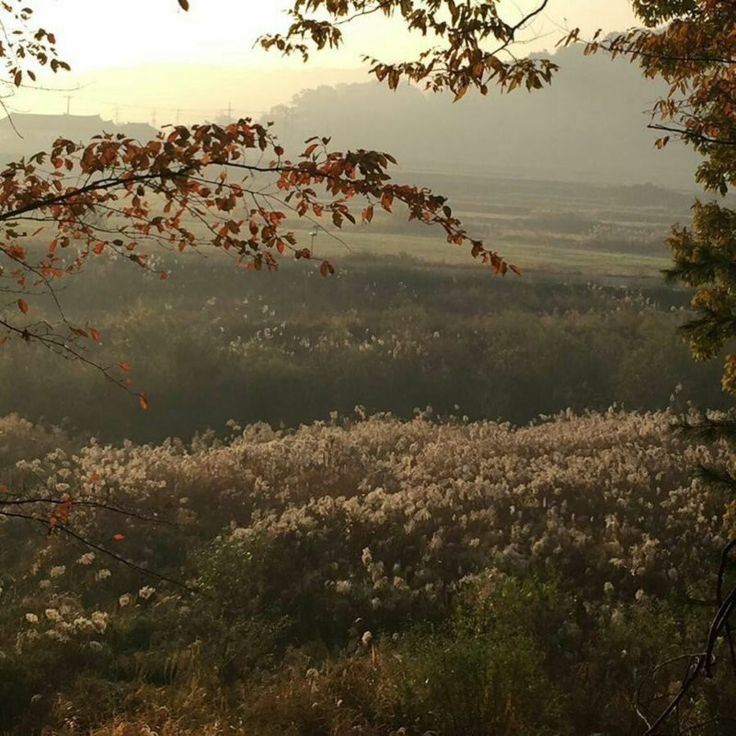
468, 43
230, 188
54, 515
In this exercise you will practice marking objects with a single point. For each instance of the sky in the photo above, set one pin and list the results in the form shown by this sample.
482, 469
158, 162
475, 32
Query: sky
147, 60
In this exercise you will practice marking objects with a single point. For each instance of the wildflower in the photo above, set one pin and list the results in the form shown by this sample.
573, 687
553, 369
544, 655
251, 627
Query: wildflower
83, 625
343, 587
125, 600
57, 571
31, 618
100, 620
366, 557
52, 614
146, 592
57, 635
86, 559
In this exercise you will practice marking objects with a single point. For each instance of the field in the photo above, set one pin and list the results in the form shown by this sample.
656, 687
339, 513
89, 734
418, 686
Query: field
215, 343
537, 258
547, 228
413, 498
364, 575
408, 321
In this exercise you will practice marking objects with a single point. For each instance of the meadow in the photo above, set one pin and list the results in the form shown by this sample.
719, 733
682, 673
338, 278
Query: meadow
413, 498
388, 334
362, 575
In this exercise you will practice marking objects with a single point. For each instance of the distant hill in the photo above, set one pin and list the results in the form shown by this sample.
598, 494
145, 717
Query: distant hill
590, 125
23, 134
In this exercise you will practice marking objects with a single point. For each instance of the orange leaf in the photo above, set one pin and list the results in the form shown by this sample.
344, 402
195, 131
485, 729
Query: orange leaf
118, 537
23, 305
143, 401
124, 366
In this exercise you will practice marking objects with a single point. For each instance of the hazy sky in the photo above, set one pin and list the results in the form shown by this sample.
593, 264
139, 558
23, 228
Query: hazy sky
105, 40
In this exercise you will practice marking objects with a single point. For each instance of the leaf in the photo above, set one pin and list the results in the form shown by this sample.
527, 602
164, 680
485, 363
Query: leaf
460, 93
184, 4
143, 401
23, 306
118, 537
124, 366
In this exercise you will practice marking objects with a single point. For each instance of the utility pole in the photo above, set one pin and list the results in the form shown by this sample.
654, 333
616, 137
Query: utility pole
68, 104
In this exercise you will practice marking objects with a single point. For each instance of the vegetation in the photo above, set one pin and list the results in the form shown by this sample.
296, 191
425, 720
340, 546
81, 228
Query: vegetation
390, 335
368, 574
373, 574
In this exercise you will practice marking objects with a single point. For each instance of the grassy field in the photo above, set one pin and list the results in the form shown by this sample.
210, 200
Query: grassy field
548, 228
537, 257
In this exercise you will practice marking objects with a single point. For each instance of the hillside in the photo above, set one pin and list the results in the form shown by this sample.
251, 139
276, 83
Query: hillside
590, 125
